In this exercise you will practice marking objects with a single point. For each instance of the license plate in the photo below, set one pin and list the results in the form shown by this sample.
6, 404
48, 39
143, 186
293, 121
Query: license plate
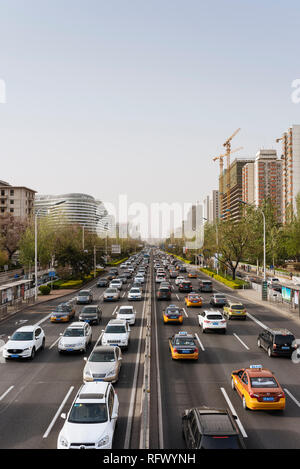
98, 379
215, 323
186, 351
173, 317
15, 356
268, 399
69, 350
285, 348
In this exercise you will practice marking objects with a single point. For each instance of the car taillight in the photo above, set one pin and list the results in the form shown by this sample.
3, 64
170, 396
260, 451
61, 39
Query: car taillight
196, 350
206, 322
175, 350
251, 394
281, 394
274, 346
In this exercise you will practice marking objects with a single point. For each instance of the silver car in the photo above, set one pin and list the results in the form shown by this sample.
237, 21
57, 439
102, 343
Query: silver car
111, 294
103, 364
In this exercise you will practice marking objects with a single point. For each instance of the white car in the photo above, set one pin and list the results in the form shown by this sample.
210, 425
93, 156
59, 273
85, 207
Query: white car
76, 338
139, 278
117, 283
128, 313
91, 421
212, 320
103, 364
134, 294
160, 278
179, 279
24, 343
117, 332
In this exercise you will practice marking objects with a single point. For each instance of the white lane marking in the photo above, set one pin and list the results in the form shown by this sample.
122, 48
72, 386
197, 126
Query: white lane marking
124, 294
240, 340
185, 312
257, 321
54, 343
6, 392
43, 320
114, 311
57, 413
200, 343
234, 412
177, 297
292, 397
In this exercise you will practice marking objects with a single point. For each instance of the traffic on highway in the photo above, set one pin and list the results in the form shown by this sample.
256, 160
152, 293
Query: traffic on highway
221, 372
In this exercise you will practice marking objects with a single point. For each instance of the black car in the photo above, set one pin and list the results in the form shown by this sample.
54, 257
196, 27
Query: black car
277, 342
164, 293
185, 286
91, 314
210, 428
205, 285
103, 282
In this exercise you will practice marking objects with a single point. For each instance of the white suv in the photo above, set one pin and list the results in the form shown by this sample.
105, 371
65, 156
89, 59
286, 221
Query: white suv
127, 313
116, 283
91, 421
212, 320
76, 338
117, 332
24, 342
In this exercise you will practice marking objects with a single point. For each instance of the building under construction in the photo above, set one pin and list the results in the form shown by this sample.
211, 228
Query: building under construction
235, 189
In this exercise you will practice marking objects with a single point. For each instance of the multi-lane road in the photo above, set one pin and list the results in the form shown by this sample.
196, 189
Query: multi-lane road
34, 393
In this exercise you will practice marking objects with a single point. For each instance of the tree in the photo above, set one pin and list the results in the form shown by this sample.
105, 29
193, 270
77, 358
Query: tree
11, 232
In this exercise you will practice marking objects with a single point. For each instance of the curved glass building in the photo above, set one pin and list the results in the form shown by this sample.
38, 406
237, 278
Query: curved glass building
78, 209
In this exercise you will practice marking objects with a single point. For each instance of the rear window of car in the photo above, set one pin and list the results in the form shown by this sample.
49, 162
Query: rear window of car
237, 307
284, 339
214, 316
263, 382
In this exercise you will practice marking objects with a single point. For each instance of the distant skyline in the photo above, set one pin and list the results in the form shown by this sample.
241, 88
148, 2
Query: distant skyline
135, 97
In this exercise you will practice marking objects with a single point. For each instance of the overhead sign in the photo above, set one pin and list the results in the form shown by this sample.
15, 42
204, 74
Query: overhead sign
115, 249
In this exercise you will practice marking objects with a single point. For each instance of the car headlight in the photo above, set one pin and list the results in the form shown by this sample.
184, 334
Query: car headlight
63, 441
111, 373
87, 373
103, 441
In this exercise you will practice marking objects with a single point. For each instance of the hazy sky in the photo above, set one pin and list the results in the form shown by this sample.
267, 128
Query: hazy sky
137, 96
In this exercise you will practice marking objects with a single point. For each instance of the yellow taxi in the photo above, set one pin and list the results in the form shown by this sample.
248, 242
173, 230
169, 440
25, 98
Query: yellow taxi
63, 313
192, 275
173, 314
258, 388
193, 299
183, 346
235, 310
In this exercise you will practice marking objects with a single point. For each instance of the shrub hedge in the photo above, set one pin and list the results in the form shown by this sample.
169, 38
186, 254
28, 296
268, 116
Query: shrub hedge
234, 284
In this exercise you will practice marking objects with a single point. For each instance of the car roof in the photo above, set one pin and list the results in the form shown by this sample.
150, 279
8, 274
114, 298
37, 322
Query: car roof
27, 328
186, 335
77, 324
280, 331
261, 372
104, 348
126, 307
93, 391
215, 421
117, 321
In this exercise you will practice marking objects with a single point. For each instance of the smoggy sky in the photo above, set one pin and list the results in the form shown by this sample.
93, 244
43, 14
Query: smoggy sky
136, 96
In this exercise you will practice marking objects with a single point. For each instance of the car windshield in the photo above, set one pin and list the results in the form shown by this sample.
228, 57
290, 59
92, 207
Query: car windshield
135, 290
84, 293
237, 307
74, 332
115, 330
111, 290
102, 356
125, 311
184, 341
220, 442
220, 297
22, 336
88, 413
263, 382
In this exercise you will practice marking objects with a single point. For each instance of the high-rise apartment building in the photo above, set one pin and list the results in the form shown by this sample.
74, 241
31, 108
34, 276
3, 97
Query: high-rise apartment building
291, 168
248, 183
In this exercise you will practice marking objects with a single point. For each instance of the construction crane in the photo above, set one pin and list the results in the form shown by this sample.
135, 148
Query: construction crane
221, 158
227, 145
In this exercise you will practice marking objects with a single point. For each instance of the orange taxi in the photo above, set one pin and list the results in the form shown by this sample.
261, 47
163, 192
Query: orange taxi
258, 388
183, 346
193, 299
192, 275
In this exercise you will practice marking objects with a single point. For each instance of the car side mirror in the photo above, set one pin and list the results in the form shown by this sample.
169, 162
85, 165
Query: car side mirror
114, 416
120, 358
85, 359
